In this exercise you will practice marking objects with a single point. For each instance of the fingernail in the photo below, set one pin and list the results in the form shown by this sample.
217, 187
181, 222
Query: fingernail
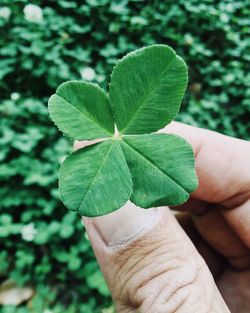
126, 224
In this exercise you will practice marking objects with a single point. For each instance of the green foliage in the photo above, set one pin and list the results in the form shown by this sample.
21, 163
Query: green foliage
162, 168
79, 40
146, 89
82, 111
95, 180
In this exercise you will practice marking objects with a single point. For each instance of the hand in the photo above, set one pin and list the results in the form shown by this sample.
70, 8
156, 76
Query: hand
152, 265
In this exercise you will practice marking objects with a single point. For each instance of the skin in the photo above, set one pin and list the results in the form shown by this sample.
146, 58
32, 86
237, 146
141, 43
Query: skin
189, 258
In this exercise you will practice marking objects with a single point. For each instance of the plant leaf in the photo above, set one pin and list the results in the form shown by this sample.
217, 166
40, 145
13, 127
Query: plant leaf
162, 169
81, 111
146, 89
95, 180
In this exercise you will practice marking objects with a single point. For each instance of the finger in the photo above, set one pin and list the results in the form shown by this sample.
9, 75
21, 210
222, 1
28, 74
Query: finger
239, 220
150, 264
223, 169
222, 164
193, 205
216, 231
81, 144
234, 286
214, 260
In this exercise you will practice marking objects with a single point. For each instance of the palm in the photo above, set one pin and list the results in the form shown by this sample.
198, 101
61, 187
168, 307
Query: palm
224, 248
234, 287
218, 218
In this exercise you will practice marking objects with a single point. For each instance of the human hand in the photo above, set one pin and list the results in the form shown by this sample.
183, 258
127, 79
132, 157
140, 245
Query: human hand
149, 261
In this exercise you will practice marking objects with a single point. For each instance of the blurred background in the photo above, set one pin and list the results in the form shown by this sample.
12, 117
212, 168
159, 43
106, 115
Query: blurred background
46, 262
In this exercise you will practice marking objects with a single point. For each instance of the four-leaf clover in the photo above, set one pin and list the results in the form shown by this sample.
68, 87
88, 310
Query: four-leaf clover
150, 169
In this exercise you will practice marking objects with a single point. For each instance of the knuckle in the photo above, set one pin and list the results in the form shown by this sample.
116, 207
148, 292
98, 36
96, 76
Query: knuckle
158, 280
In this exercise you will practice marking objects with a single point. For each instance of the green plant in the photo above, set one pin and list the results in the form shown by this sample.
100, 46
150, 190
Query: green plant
84, 40
145, 93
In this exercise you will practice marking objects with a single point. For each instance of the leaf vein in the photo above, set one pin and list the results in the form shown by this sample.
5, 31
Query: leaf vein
139, 108
85, 114
94, 178
158, 168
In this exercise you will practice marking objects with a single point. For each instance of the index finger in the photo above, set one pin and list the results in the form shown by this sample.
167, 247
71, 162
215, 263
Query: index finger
222, 164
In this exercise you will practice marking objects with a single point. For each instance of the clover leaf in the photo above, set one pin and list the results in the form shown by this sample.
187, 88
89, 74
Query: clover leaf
150, 169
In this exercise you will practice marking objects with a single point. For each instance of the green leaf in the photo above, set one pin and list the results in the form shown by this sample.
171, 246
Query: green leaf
81, 111
95, 180
162, 169
146, 89
96, 281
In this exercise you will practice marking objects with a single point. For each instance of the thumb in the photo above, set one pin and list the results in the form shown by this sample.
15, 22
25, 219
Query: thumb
150, 264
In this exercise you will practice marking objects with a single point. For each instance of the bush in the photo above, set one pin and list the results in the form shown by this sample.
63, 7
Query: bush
42, 244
